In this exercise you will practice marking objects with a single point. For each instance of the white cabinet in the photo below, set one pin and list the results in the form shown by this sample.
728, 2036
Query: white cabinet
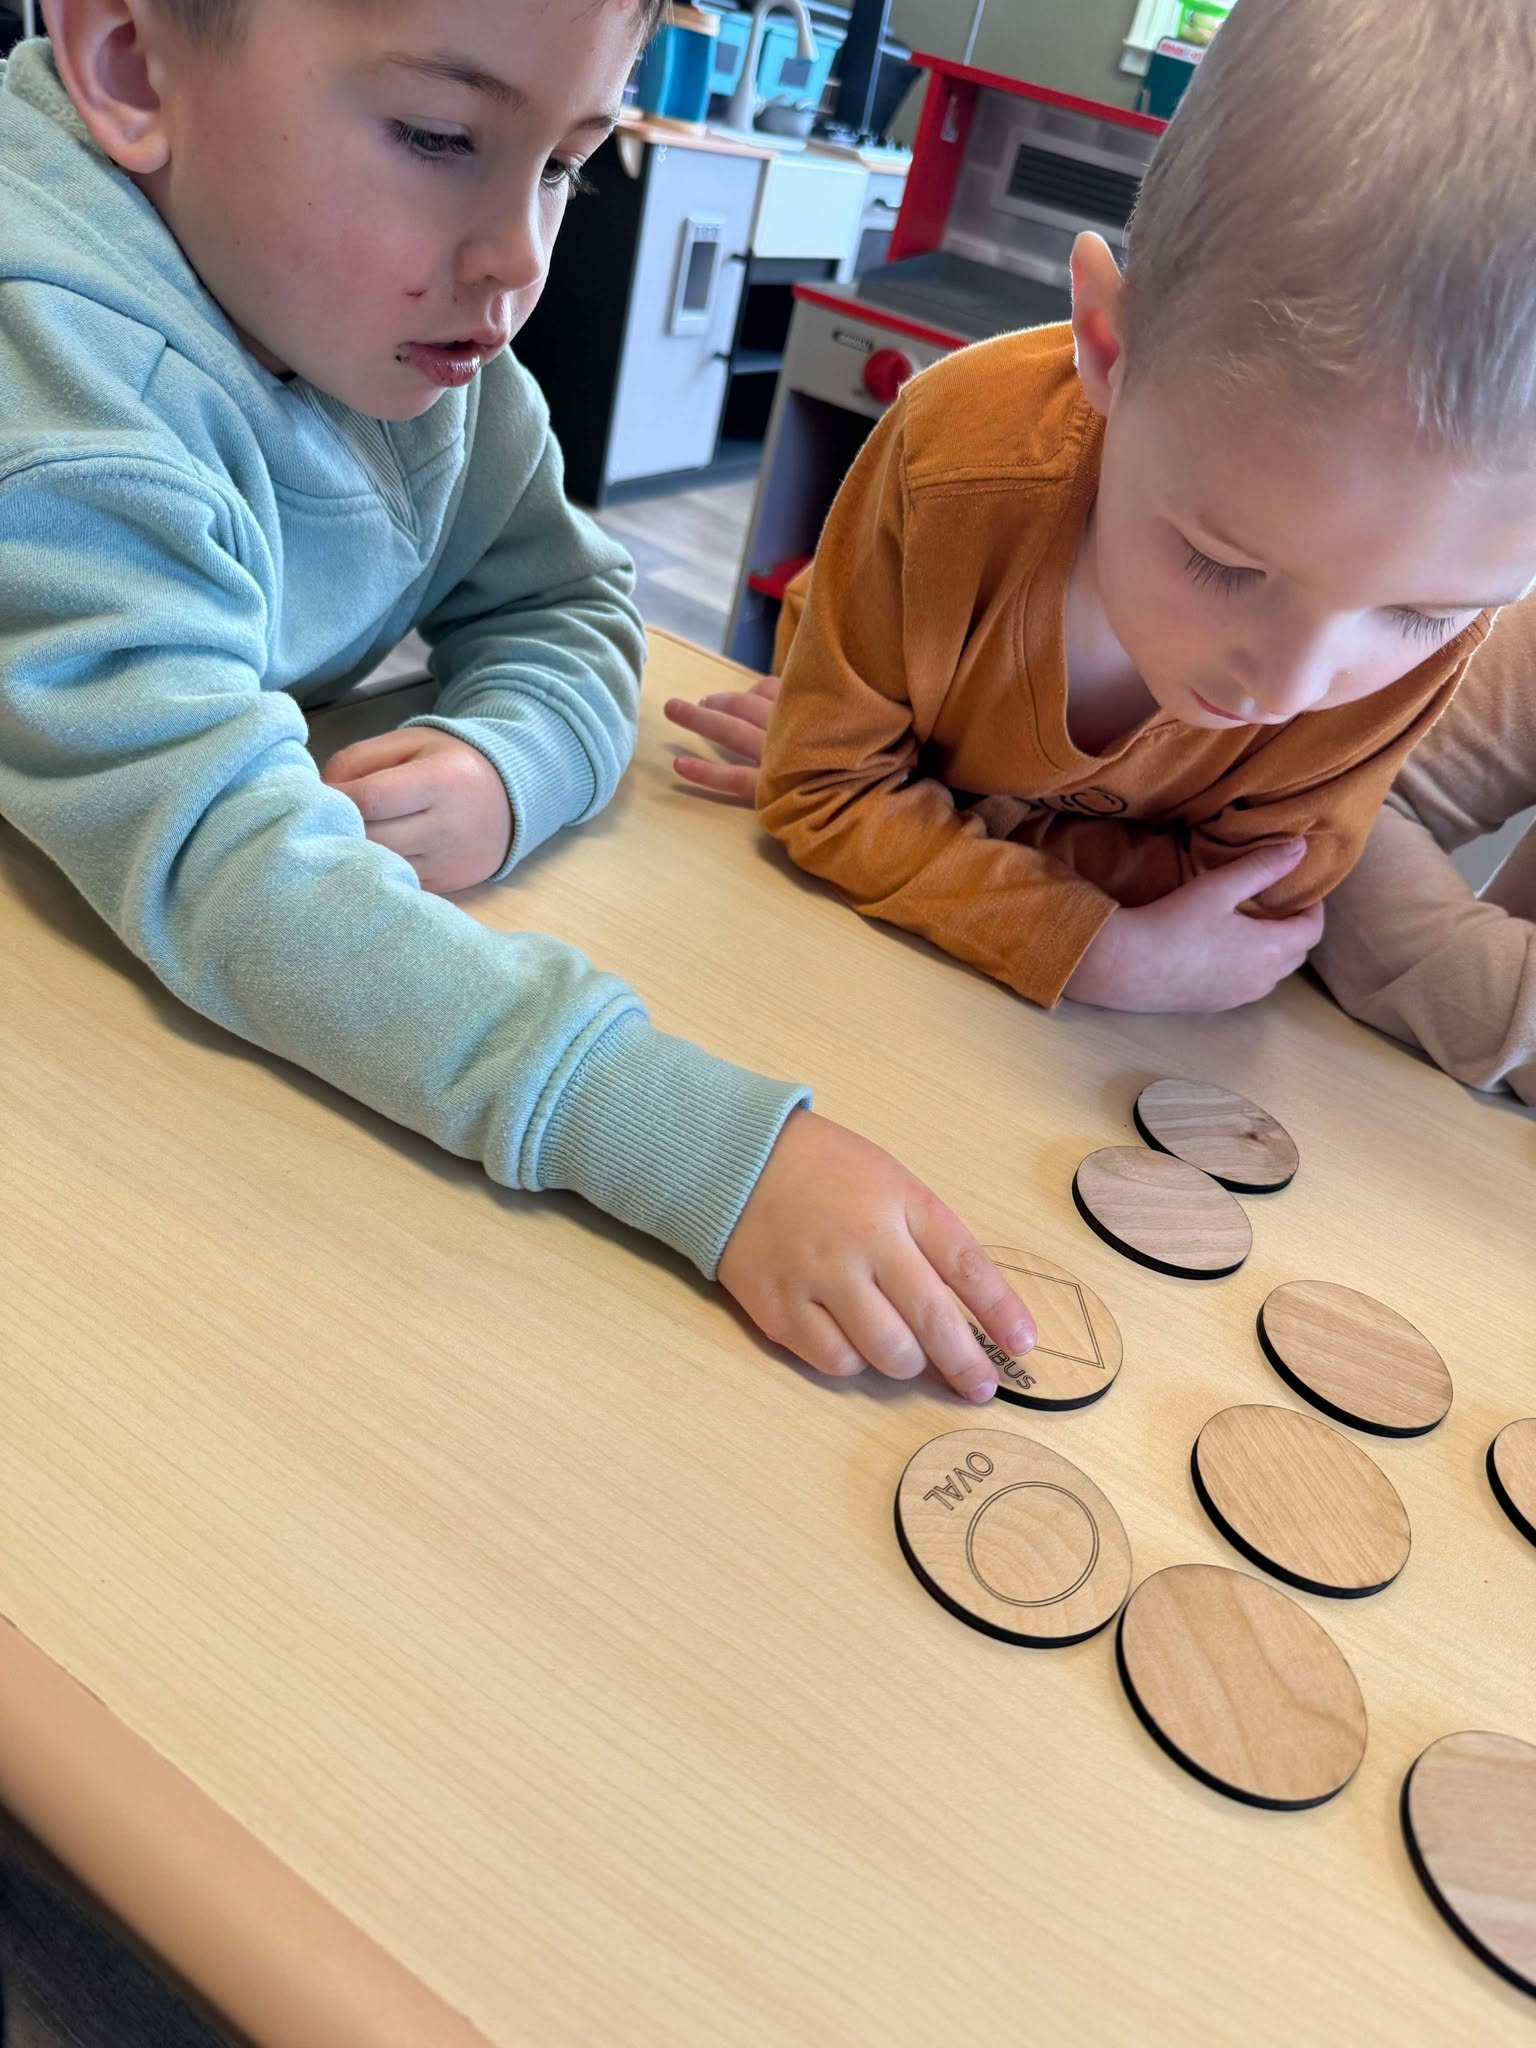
808, 207
686, 289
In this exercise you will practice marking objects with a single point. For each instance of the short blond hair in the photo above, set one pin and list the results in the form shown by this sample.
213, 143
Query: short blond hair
1345, 204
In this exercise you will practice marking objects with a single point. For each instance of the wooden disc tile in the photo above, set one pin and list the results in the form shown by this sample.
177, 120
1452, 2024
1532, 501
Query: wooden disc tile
1225, 1135
1512, 1473
1241, 1686
1302, 1501
1355, 1358
1079, 1351
1166, 1215
1012, 1538
1469, 1816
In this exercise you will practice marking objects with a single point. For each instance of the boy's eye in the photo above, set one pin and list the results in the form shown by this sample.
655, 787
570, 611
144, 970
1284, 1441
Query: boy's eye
557, 174
433, 145
1206, 574
1422, 625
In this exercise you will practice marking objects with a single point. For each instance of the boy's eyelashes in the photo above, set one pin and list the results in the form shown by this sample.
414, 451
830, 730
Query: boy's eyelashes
432, 145
445, 145
1207, 574
1421, 625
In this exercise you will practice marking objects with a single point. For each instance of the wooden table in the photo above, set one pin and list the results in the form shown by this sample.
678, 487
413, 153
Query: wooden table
431, 1602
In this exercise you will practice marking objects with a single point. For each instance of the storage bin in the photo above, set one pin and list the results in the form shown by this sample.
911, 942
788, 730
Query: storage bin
782, 73
675, 72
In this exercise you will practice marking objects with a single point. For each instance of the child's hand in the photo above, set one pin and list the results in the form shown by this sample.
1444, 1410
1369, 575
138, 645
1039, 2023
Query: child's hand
841, 1256
1194, 949
433, 799
735, 720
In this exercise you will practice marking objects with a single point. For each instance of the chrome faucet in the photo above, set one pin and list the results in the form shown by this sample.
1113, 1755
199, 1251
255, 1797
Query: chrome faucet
744, 102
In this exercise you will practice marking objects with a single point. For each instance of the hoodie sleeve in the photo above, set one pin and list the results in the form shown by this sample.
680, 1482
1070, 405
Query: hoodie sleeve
139, 751
538, 647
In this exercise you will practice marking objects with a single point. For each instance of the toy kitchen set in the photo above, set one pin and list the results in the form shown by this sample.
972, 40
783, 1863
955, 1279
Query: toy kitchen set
750, 157
1004, 175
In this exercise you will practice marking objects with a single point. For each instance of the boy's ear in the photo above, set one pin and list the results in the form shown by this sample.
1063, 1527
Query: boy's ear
1096, 338
99, 47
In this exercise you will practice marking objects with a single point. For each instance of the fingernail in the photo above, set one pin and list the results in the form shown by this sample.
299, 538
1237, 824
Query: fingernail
983, 1391
1023, 1337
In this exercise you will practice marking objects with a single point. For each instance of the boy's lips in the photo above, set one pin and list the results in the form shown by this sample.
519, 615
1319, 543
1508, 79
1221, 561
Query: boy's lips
1217, 710
454, 361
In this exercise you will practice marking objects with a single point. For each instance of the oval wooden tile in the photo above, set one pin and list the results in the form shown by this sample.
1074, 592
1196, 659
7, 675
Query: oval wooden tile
1012, 1538
1512, 1473
1469, 1816
1225, 1135
1241, 1686
1355, 1358
1302, 1501
1079, 1352
1162, 1213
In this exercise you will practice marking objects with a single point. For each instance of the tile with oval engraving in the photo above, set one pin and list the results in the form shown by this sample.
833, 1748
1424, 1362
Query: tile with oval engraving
1011, 1537
1079, 1352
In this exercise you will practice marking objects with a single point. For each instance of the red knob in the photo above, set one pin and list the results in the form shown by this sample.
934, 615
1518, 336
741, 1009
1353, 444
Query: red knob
885, 372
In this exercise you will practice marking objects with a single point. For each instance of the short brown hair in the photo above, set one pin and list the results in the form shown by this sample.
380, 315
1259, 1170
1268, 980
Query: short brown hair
1345, 202
216, 23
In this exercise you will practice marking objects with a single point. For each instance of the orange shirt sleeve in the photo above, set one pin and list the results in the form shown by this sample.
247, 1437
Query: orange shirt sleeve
841, 782
1328, 774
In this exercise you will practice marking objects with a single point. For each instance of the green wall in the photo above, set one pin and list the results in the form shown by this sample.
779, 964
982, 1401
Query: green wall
1073, 45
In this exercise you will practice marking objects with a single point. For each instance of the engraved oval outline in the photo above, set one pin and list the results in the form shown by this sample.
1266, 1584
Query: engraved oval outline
1049, 1486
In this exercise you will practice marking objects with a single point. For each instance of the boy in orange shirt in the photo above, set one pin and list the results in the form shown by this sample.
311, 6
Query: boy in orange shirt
1118, 633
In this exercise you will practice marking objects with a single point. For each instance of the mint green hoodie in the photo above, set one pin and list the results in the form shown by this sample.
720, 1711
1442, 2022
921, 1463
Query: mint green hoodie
191, 549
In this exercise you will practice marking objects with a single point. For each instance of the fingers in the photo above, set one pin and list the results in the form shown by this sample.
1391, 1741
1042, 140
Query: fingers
727, 721
388, 793
1262, 951
1294, 937
878, 1332
404, 836
814, 1335
1251, 873
966, 1271
364, 757
754, 705
725, 778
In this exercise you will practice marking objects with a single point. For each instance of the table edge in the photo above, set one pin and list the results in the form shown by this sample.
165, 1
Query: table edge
170, 1864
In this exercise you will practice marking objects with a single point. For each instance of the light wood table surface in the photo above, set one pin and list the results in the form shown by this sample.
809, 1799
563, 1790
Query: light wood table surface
430, 1602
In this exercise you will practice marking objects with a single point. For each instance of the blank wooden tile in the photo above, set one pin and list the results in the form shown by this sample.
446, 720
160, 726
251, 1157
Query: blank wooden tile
1241, 1686
1354, 1358
1162, 1213
1225, 1135
1301, 1500
1469, 1815
1079, 1352
1512, 1473
1011, 1537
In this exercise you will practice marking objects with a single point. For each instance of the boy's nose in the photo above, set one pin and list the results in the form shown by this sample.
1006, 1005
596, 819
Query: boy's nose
1282, 683
509, 255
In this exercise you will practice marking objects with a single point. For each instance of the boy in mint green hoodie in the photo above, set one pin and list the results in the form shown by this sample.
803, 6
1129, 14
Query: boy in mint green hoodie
259, 263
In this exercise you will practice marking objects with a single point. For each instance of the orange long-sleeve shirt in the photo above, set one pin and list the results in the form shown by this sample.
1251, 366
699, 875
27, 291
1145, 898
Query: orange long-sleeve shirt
919, 756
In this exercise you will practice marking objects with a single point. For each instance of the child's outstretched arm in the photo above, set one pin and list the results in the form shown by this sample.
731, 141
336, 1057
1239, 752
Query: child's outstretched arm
536, 649
1409, 948
140, 752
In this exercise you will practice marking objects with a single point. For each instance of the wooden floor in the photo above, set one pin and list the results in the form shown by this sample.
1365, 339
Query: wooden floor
687, 548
